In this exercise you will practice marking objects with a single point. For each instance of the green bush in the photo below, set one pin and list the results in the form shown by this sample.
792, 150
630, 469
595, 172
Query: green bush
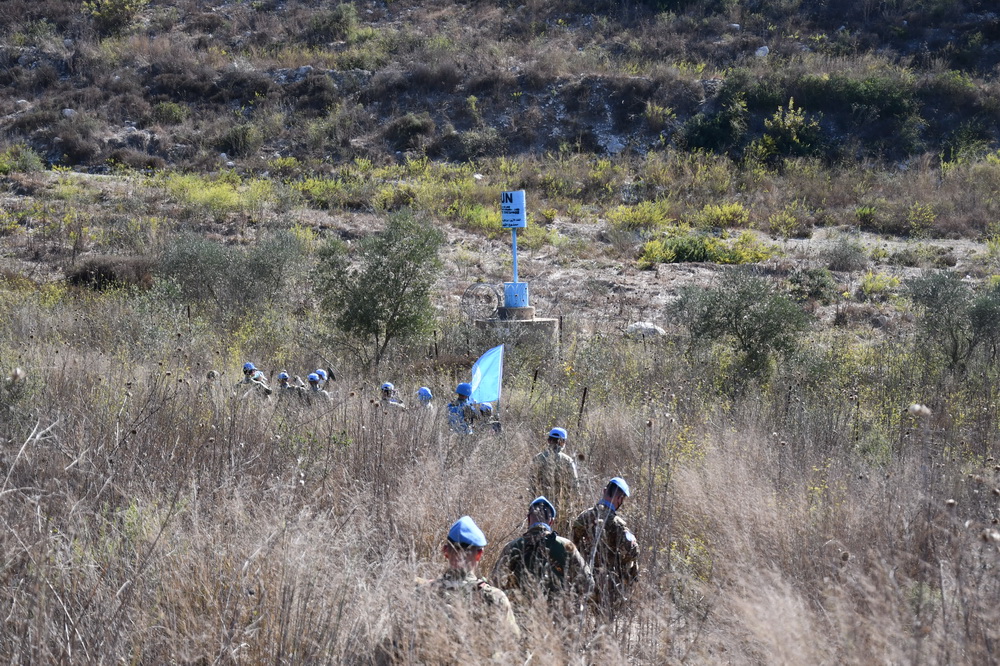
722, 216
846, 254
410, 131
717, 132
645, 216
748, 311
19, 159
337, 24
113, 16
170, 113
813, 284
241, 140
689, 246
234, 278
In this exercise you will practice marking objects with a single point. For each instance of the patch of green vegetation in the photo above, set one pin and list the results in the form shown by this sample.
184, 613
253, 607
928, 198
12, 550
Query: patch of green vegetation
685, 245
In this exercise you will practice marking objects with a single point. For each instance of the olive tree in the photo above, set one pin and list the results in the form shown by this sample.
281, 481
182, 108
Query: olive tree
381, 291
748, 311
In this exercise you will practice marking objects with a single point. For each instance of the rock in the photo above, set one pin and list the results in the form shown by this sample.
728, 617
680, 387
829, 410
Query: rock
762, 51
644, 329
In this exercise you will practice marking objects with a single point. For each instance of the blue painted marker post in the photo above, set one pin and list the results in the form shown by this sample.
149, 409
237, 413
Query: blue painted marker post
513, 216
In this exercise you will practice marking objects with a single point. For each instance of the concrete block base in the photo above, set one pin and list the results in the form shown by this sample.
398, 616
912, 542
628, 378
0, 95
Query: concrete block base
522, 330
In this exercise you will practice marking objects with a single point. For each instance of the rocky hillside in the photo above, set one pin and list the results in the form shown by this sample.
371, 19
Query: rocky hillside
196, 85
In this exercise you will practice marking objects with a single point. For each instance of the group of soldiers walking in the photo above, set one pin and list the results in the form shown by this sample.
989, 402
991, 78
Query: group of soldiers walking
597, 567
465, 415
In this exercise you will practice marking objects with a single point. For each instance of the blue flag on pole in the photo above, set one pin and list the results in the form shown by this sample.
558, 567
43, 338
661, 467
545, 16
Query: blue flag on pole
487, 375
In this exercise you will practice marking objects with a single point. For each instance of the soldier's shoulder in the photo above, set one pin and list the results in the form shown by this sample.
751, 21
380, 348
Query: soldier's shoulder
565, 543
490, 594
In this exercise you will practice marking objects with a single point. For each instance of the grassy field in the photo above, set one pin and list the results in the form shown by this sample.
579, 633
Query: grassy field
812, 446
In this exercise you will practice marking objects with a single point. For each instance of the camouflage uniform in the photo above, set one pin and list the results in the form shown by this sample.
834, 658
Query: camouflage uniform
553, 475
392, 403
485, 602
317, 395
542, 561
616, 561
257, 380
461, 415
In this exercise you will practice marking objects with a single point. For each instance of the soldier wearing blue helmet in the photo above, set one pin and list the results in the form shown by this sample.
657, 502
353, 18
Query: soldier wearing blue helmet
389, 397
315, 392
255, 378
613, 554
462, 412
553, 474
542, 562
464, 549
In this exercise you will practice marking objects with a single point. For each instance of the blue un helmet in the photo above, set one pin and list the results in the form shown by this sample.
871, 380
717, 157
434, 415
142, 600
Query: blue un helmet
557, 433
282, 375
620, 482
425, 394
486, 407
313, 378
464, 389
465, 532
321, 373
541, 502
249, 367
388, 386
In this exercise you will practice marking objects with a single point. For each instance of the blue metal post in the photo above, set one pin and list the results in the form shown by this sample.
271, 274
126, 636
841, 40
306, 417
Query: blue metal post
513, 235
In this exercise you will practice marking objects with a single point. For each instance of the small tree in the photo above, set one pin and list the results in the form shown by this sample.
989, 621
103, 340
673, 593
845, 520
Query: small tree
385, 293
747, 310
944, 302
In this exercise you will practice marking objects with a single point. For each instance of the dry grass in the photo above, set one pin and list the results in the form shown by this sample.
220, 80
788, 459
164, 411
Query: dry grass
151, 517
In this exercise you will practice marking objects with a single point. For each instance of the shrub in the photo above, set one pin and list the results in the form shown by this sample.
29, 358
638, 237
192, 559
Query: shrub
846, 255
746, 309
722, 216
233, 278
170, 113
645, 216
113, 16
409, 132
877, 286
19, 159
813, 284
943, 301
241, 140
687, 246
337, 24
718, 132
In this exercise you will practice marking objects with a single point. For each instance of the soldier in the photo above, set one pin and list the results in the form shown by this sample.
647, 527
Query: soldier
321, 373
461, 411
425, 396
610, 548
553, 474
541, 561
489, 418
255, 378
389, 397
464, 550
314, 392
286, 388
